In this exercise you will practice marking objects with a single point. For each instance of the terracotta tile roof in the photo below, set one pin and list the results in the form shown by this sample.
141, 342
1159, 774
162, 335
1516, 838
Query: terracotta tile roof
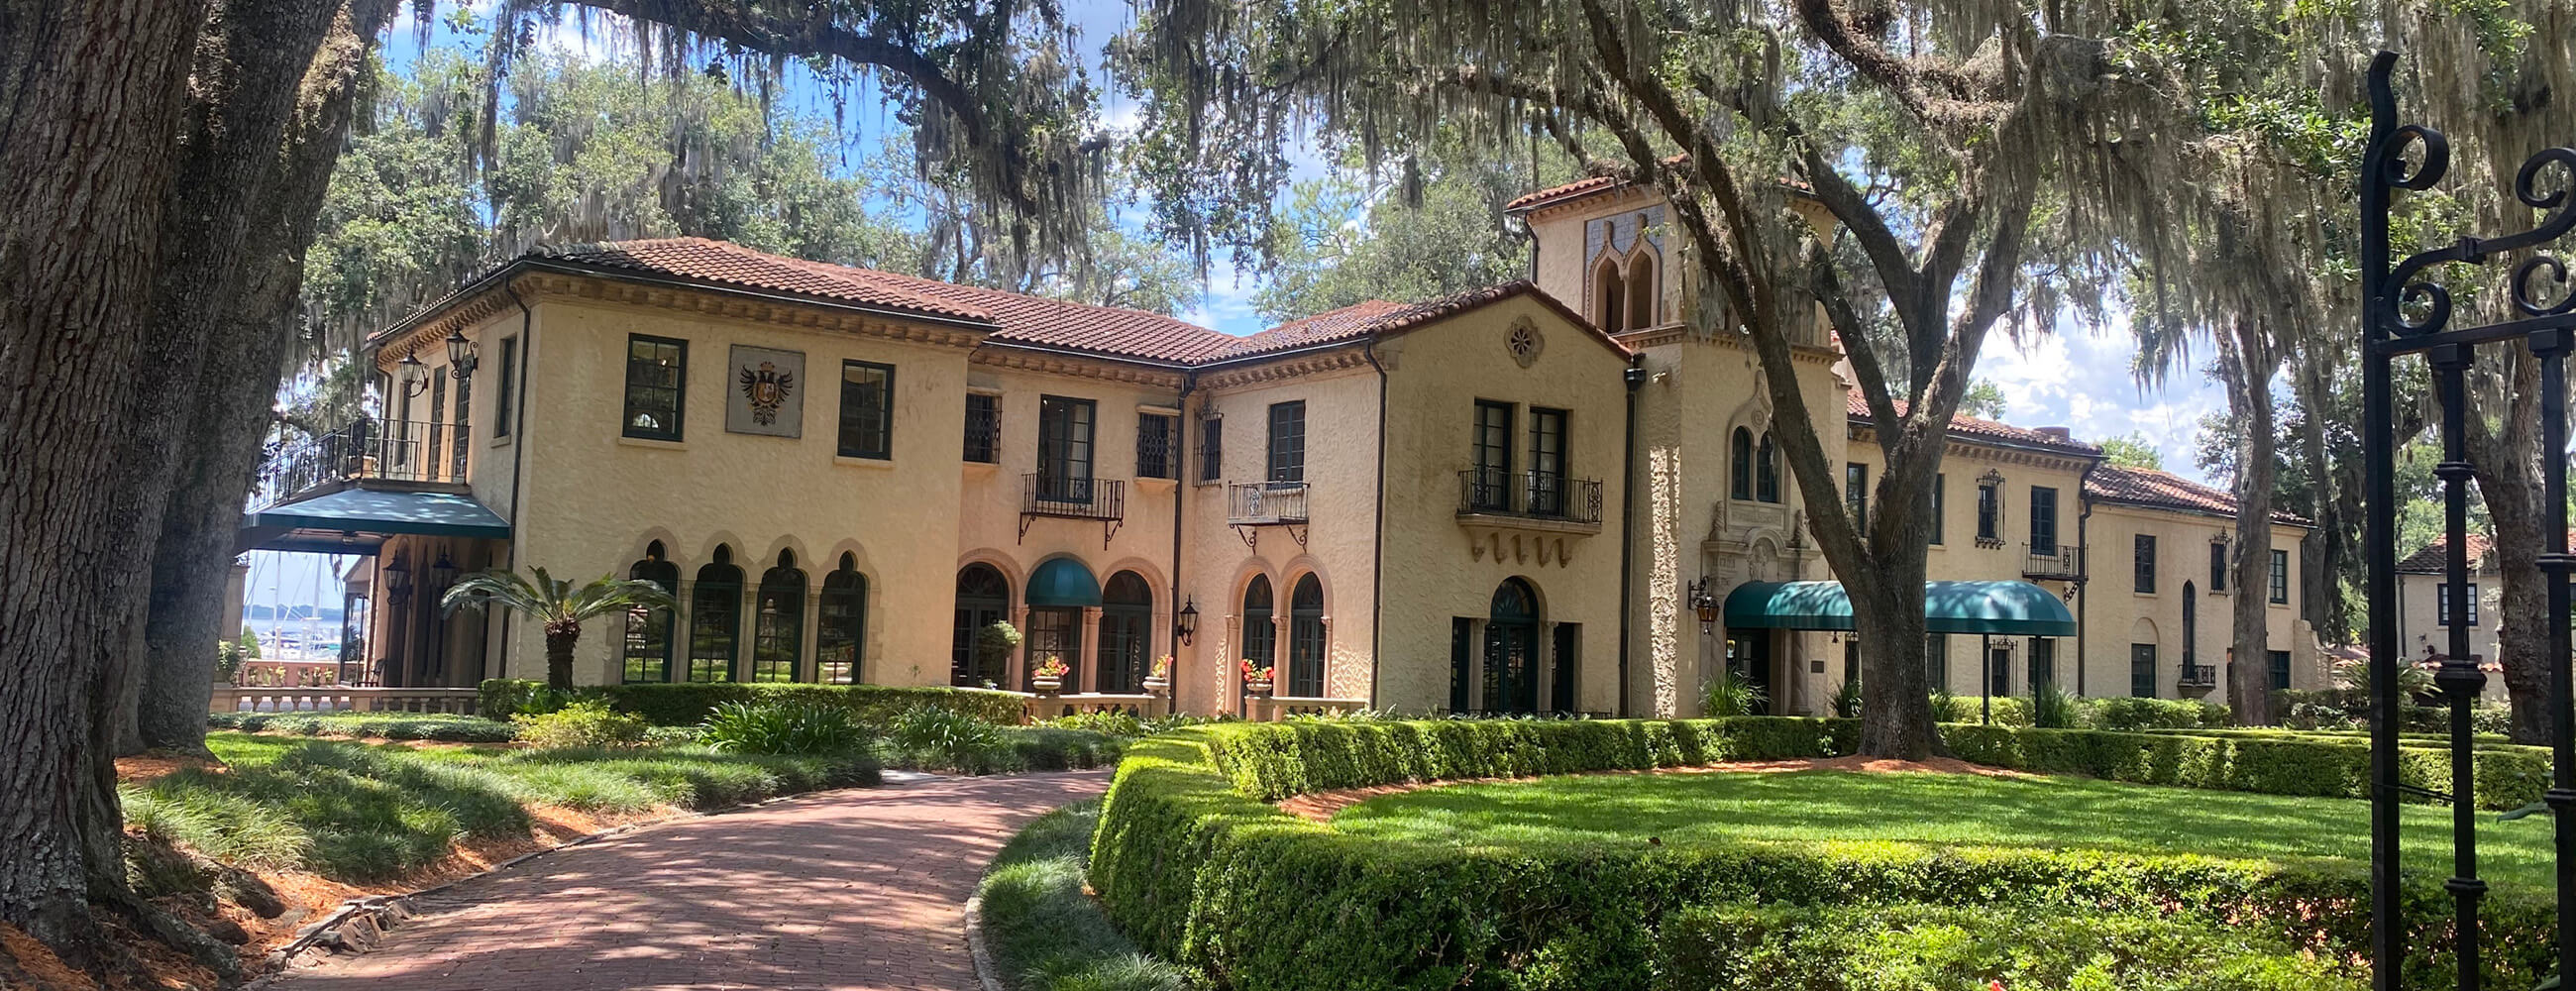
1978, 428
2433, 558
2165, 490
1590, 185
1057, 323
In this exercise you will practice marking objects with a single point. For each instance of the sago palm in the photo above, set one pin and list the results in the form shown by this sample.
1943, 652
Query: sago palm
559, 605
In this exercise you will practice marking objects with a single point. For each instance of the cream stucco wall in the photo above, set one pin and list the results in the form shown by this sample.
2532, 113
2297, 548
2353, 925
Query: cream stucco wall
2117, 615
2419, 625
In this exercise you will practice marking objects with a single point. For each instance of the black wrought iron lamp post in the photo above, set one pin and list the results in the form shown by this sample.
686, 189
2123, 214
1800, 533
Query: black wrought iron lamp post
2405, 312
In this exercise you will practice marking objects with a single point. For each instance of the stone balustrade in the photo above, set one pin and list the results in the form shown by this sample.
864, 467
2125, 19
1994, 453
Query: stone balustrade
344, 698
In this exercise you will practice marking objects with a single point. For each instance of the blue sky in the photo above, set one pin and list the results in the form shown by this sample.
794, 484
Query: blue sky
2073, 379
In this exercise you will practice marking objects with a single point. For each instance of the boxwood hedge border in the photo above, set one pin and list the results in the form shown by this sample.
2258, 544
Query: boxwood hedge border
1193, 861
688, 704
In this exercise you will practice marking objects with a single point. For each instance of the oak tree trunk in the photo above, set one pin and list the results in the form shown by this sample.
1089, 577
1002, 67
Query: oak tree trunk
2506, 455
1897, 721
2324, 553
2245, 362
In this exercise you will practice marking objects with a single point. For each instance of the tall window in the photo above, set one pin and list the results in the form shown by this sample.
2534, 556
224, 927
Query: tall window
1740, 478
1641, 290
1999, 671
2143, 555
2280, 578
2443, 598
2190, 630
1154, 455
1306, 638
841, 624
648, 628
1940, 495
1055, 632
2217, 567
1493, 452
2276, 663
2043, 520
464, 429
2142, 670
715, 618
1611, 290
437, 422
778, 621
1766, 470
2043, 662
983, 599
1547, 461
1211, 448
1126, 633
1287, 442
983, 427
1511, 649
1990, 512
867, 410
1260, 634
506, 401
656, 382
1856, 494
1064, 448
1936, 663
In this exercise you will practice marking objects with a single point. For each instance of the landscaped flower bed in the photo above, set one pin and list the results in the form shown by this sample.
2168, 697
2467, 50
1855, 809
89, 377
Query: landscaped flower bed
1193, 862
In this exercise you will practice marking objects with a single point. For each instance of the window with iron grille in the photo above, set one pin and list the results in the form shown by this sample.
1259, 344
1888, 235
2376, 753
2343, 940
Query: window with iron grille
656, 380
1154, 446
867, 410
1990, 512
983, 428
1211, 448
2142, 670
2277, 664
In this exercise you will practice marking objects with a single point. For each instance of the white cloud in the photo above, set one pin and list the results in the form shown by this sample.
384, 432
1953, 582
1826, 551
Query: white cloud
2081, 380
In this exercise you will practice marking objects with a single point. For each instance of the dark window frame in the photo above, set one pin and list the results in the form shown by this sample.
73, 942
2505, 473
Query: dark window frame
2442, 599
875, 442
1940, 496
1212, 448
1490, 448
841, 624
1766, 470
1990, 511
2142, 670
2276, 664
1155, 448
505, 395
1547, 481
1856, 494
1067, 465
1284, 456
2280, 578
2142, 551
2043, 497
1740, 474
784, 586
2217, 567
982, 441
679, 390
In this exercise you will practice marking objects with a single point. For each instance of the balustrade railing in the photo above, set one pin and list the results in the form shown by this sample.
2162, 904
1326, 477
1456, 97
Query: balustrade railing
1531, 495
1248, 503
392, 450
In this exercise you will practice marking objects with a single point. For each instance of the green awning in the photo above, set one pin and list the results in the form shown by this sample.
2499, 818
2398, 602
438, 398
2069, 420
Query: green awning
354, 520
2001, 608
1063, 582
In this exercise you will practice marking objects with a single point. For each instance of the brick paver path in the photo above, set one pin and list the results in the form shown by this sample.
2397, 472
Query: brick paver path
860, 890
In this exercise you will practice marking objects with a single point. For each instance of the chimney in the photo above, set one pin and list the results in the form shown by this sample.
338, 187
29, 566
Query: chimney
2058, 433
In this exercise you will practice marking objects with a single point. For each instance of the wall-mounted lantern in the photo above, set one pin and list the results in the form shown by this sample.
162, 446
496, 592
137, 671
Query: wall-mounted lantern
411, 375
1704, 602
1186, 623
460, 355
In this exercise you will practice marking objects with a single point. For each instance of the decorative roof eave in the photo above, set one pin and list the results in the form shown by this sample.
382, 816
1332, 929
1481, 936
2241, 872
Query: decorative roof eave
1678, 332
1312, 361
2279, 519
2008, 452
1623, 191
1020, 356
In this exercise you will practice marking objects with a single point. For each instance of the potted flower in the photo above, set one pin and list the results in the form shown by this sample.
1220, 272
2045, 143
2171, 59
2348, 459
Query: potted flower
1256, 678
1160, 677
1048, 675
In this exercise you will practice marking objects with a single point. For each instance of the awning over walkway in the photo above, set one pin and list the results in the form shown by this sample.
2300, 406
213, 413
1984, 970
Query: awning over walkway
1063, 582
2001, 608
356, 520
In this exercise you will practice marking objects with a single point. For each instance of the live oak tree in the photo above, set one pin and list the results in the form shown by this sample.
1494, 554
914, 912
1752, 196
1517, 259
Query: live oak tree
1927, 132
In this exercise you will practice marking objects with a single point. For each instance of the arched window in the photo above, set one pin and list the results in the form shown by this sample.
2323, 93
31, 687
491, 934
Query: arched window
1260, 634
1306, 638
1766, 471
778, 622
1126, 633
1740, 465
648, 628
1511, 649
1610, 291
715, 618
841, 624
983, 599
1641, 290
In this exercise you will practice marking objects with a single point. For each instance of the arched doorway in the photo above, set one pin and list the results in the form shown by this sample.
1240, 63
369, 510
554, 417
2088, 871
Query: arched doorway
1306, 638
1260, 632
778, 621
715, 618
983, 599
1126, 633
841, 624
648, 628
1511, 649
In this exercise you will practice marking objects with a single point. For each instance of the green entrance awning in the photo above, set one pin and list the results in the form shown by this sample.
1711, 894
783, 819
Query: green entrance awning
355, 520
1063, 582
2001, 608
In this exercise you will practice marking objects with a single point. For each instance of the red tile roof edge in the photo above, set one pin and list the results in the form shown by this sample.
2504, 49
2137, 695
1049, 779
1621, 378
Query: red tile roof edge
2157, 489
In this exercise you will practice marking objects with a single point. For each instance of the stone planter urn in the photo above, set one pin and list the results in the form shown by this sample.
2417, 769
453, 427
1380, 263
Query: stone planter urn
1259, 688
1045, 686
1157, 686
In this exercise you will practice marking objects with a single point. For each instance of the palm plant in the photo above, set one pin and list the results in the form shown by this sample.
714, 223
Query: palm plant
1731, 694
559, 605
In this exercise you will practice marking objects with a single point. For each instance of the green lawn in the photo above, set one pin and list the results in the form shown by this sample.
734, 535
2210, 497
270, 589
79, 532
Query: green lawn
1942, 809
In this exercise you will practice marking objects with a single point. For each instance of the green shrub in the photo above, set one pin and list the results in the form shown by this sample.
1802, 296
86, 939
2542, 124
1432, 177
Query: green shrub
2128, 714
1731, 694
1045, 932
945, 739
502, 698
688, 704
783, 728
1110, 723
1917, 947
377, 725
1847, 699
1997, 710
581, 724
2051, 707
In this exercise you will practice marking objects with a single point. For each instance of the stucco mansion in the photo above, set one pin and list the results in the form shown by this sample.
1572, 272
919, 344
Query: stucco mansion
1544, 496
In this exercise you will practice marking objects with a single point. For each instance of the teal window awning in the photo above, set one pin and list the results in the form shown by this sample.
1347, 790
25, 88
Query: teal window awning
354, 520
1063, 582
2001, 608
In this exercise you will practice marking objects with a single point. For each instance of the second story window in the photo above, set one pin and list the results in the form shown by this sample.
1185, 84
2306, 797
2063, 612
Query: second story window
656, 384
1990, 511
2144, 552
2281, 578
1766, 470
2043, 520
867, 410
1064, 448
1154, 454
1491, 486
1547, 461
1287, 443
983, 428
437, 420
2467, 609
1740, 483
505, 390
1211, 448
2217, 567
1856, 494
1940, 494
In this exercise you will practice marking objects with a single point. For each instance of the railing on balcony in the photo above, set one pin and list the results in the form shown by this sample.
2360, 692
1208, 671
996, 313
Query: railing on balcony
1102, 499
1265, 503
1529, 495
2062, 562
2201, 676
390, 450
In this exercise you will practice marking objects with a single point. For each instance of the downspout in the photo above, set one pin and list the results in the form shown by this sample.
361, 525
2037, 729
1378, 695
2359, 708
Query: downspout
1181, 486
518, 447
2084, 579
1377, 552
1635, 376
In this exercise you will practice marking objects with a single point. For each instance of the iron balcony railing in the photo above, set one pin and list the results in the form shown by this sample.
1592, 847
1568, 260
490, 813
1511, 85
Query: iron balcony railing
389, 450
1079, 498
1253, 503
2199, 674
2061, 562
1529, 494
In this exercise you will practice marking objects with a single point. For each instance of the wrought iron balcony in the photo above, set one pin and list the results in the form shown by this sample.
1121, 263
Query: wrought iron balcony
2202, 677
1265, 503
2063, 562
1529, 495
405, 451
1102, 499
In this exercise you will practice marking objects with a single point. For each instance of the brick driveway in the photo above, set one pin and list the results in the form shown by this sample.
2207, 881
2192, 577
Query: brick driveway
863, 890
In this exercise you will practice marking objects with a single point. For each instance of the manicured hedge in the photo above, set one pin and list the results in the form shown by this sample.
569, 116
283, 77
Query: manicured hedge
378, 725
688, 704
1191, 860
2507, 777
